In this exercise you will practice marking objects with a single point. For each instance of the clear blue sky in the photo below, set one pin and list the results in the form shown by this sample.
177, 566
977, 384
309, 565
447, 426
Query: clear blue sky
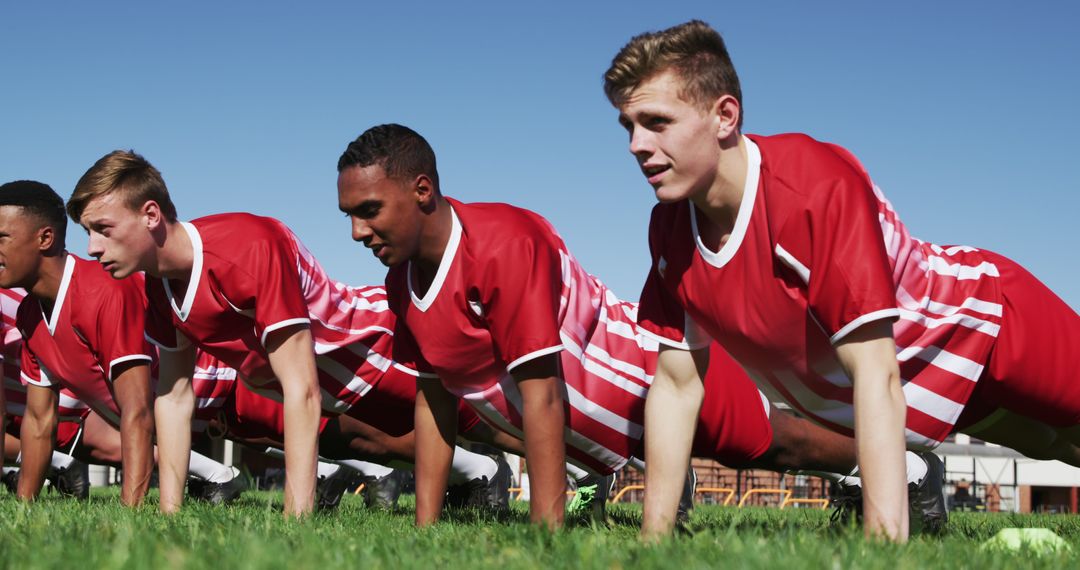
964, 112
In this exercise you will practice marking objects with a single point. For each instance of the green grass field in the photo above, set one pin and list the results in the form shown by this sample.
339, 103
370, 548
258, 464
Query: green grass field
64, 534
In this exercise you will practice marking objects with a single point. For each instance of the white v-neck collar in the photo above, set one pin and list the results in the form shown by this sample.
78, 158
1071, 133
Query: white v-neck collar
196, 272
61, 294
742, 219
444, 266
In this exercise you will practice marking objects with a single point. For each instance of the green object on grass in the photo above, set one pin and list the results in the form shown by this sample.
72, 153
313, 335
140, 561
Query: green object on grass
582, 503
1037, 540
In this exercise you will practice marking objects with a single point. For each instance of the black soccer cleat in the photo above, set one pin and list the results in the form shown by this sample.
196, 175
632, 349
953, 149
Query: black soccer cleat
489, 494
72, 481
383, 492
926, 500
330, 489
217, 493
11, 481
686, 500
847, 503
590, 498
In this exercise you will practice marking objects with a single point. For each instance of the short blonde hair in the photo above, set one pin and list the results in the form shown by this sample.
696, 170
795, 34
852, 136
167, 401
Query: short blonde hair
128, 173
693, 51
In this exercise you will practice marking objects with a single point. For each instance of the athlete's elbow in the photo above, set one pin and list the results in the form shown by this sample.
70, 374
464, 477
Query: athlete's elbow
137, 420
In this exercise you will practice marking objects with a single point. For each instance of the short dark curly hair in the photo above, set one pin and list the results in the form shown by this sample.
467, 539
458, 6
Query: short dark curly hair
401, 151
40, 201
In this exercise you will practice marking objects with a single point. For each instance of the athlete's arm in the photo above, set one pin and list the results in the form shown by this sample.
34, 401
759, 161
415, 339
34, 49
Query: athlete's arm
868, 355
436, 430
671, 411
38, 438
173, 407
292, 357
134, 397
545, 446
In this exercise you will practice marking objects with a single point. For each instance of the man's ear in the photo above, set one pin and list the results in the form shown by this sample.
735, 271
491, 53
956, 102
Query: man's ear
424, 190
151, 212
726, 113
46, 236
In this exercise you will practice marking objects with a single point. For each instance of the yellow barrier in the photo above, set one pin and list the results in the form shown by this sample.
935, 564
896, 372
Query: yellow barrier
718, 490
823, 502
625, 490
786, 493
518, 490
729, 495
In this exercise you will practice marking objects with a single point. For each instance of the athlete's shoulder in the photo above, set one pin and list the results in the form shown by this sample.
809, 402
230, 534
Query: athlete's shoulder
801, 174
665, 215
28, 316
492, 225
91, 285
237, 229
668, 220
240, 241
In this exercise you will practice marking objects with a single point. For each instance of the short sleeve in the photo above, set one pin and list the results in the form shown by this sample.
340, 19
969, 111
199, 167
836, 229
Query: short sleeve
31, 371
158, 325
846, 268
520, 294
118, 328
269, 284
662, 317
660, 314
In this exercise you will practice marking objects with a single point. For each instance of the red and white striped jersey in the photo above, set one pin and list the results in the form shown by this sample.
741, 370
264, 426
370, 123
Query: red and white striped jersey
69, 408
816, 252
252, 276
213, 384
95, 324
507, 291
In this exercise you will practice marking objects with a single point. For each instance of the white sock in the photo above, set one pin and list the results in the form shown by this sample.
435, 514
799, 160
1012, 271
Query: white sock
61, 460
576, 473
468, 466
7, 470
366, 468
209, 470
916, 468
845, 480
324, 469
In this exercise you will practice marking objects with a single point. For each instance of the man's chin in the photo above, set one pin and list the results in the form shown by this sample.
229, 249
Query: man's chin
118, 273
666, 195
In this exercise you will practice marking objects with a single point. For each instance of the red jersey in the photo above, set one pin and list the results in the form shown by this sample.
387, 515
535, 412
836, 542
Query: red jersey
816, 252
212, 383
241, 412
252, 276
95, 324
69, 408
507, 291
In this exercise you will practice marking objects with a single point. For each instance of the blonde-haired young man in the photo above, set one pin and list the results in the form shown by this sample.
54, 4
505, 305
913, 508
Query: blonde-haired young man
783, 250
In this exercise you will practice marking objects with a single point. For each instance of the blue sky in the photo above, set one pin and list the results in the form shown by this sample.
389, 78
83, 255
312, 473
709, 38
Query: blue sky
964, 112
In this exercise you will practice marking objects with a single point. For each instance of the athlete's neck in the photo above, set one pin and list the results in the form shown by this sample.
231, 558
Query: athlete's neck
719, 203
50, 274
434, 237
175, 254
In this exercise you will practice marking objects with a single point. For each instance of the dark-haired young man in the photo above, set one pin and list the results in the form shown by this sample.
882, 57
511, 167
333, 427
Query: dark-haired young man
783, 250
244, 289
512, 324
80, 330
